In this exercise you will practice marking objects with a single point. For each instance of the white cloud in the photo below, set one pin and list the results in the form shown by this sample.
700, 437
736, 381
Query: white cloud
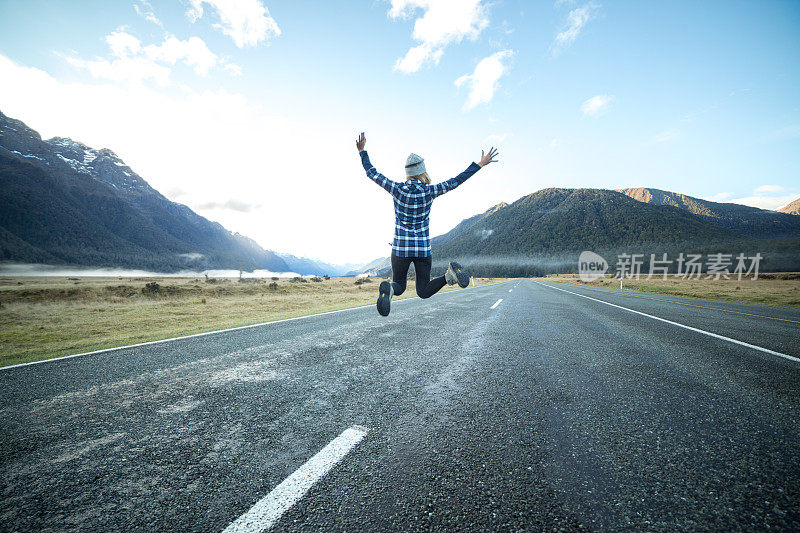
134, 70
767, 188
209, 146
596, 105
130, 62
762, 198
418, 56
123, 44
721, 196
193, 52
144, 9
247, 22
235, 70
232, 205
495, 138
484, 80
555, 143
661, 137
442, 22
576, 20
766, 202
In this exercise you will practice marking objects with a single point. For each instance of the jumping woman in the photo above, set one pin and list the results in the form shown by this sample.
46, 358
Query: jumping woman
412, 209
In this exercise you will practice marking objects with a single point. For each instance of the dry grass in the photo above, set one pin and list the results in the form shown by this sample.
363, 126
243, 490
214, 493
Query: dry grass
780, 289
45, 317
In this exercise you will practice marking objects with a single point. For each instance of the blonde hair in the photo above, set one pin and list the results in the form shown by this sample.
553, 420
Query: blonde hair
424, 178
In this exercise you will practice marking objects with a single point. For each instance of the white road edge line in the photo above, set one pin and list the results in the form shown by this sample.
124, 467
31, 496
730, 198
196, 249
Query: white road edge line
203, 334
159, 341
496, 303
704, 332
271, 507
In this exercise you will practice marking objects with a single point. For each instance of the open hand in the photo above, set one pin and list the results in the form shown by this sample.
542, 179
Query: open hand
361, 142
486, 159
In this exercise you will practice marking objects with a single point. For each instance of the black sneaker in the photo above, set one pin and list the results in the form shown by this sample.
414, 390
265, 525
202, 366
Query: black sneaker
456, 274
385, 293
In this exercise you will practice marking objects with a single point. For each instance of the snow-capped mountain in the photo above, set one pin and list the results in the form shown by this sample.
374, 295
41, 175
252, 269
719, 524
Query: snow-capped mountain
63, 202
62, 153
306, 266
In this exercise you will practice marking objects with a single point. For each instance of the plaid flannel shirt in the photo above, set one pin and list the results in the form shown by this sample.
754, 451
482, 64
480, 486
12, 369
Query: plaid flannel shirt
412, 207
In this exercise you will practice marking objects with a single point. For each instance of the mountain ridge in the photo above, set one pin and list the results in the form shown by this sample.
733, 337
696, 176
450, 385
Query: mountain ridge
792, 208
306, 266
544, 232
750, 221
66, 203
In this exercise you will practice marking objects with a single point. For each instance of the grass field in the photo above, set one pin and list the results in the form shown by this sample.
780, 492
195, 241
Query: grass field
779, 289
46, 317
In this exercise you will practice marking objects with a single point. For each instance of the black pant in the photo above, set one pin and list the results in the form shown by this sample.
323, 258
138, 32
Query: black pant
426, 287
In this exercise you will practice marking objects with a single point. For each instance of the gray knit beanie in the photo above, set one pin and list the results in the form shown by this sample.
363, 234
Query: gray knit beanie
415, 165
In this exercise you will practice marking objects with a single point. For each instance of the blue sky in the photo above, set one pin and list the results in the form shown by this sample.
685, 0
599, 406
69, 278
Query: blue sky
247, 110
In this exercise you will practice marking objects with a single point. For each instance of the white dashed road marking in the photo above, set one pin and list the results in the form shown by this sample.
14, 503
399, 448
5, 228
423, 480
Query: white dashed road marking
269, 509
704, 332
496, 303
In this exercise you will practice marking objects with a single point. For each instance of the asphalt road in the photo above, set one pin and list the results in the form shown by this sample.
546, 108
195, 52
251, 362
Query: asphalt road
549, 411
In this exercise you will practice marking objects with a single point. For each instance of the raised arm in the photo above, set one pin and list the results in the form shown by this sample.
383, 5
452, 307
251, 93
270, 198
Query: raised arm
445, 186
373, 174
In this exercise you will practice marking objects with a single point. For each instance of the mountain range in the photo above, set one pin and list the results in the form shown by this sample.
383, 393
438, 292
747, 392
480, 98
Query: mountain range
64, 203
306, 267
545, 231
376, 267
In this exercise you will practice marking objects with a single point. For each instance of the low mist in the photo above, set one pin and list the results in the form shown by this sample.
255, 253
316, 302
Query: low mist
514, 265
556, 263
28, 269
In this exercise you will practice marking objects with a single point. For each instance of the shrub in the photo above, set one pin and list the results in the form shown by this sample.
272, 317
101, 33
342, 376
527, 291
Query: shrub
359, 281
274, 279
326, 277
151, 288
273, 286
316, 279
